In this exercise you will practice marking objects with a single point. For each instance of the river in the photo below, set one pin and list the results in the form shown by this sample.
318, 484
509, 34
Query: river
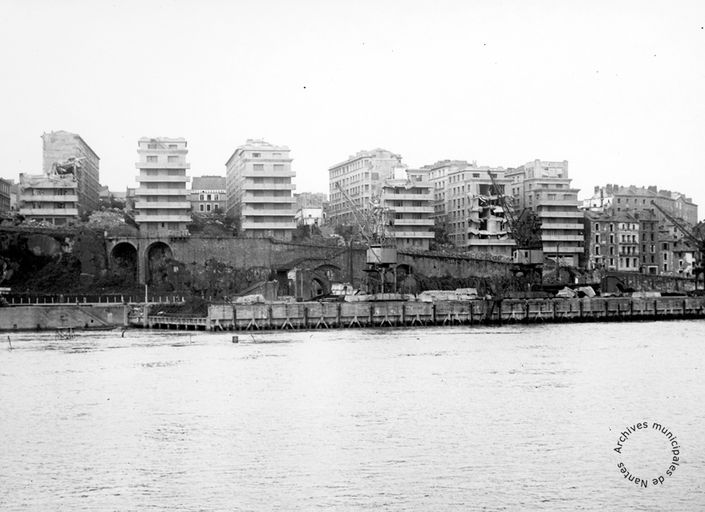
461, 418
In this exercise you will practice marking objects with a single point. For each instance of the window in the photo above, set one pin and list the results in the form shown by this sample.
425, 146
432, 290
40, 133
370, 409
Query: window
597, 239
597, 226
200, 207
258, 167
172, 158
151, 158
611, 227
201, 197
172, 146
611, 239
256, 155
208, 207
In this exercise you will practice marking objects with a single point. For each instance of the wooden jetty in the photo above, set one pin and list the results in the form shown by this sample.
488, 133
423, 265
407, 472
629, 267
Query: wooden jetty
334, 315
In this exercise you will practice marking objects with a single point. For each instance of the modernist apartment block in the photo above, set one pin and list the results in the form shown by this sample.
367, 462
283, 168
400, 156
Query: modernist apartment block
357, 181
49, 198
208, 194
65, 154
259, 190
407, 198
5, 195
161, 198
544, 187
438, 176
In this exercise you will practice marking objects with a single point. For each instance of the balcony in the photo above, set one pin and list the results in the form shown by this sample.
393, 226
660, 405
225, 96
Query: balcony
562, 238
50, 212
176, 205
140, 219
412, 209
413, 234
268, 186
413, 222
259, 226
407, 197
142, 178
267, 174
265, 199
161, 192
489, 242
569, 214
29, 198
264, 212
546, 226
556, 202
162, 165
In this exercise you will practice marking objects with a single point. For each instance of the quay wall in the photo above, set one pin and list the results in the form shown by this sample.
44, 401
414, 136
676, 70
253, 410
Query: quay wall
326, 315
41, 317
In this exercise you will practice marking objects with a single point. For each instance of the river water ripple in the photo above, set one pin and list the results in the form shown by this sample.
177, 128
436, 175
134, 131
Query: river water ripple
462, 418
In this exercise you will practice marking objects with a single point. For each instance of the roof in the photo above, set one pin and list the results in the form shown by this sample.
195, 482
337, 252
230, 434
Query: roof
210, 182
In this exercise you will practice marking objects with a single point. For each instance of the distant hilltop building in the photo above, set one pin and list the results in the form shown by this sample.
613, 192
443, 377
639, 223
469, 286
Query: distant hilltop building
161, 199
69, 186
357, 181
310, 200
259, 190
208, 194
619, 198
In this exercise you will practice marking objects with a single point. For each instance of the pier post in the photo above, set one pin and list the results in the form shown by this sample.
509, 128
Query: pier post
433, 313
338, 315
372, 315
403, 314
305, 317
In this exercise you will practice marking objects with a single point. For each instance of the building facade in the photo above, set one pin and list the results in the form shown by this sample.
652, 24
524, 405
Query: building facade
407, 199
438, 176
488, 228
207, 194
545, 188
51, 199
5, 195
639, 199
65, 153
259, 190
360, 178
161, 198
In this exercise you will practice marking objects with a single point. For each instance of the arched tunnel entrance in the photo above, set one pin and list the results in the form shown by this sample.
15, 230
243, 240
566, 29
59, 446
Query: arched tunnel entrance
158, 256
123, 261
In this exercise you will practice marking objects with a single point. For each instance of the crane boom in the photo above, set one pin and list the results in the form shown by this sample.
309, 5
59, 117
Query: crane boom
361, 224
681, 227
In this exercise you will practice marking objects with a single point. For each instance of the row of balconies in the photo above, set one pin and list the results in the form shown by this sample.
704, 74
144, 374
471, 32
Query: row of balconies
413, 234
413, 222
176, 205
54, 212
163, 165
32, 198
162, 178
264, 212
249, 225
141, 218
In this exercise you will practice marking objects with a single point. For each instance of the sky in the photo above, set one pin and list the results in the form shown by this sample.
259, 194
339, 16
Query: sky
617, 88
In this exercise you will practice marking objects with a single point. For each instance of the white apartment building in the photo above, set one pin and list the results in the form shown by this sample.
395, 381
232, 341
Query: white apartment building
408, 199
49, 198
360, 177
161, 199
259, 190
544, 187
438, 176
488, 223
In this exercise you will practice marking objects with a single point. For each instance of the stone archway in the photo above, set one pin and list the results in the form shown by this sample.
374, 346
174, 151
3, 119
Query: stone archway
157, 257
123, 261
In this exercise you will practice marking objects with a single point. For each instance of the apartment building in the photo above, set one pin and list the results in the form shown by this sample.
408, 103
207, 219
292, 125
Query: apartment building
545, 188
407, 198
360, 178
612, 241
488, 228
207, 194
639, 199
5, 195
65, 153
438, 176
51, 199
259, 190
161, 198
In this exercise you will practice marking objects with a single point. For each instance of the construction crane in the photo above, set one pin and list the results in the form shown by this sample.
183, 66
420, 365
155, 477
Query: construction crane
373, 226
696, 240
526, 231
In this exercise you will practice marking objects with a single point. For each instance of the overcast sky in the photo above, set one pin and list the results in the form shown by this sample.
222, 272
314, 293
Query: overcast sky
615, 88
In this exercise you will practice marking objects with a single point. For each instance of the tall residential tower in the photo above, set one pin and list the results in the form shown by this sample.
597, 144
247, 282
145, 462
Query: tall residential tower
161, 200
